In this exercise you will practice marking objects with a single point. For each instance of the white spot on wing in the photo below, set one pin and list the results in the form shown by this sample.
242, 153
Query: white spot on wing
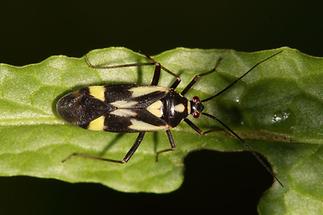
144, 90
123, 113
143, 126
124, 104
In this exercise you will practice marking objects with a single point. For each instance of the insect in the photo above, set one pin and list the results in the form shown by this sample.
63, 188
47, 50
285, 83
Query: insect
129, 108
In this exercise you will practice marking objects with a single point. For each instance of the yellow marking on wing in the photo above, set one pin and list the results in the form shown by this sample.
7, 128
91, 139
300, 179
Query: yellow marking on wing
144, 90
97, 124
179, 108
156, 108
124, 104
97, 92
143, 126
123, 113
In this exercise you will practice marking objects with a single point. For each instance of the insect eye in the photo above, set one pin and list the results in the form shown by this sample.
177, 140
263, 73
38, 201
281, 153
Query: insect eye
196, 99
196, 114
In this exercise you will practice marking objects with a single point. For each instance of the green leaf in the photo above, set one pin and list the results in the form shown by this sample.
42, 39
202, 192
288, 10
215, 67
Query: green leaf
277, 109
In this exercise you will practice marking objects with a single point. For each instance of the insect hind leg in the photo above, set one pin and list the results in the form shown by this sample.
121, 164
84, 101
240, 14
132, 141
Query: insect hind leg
156, 77
172, 145
124, 160
103, 66
93, 157
177, 80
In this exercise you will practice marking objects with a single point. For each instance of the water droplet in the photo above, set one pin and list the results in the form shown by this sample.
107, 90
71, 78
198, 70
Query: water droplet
279, 117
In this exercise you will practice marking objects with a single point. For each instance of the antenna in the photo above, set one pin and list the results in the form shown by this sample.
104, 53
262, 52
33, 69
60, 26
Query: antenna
238, 79
247, 146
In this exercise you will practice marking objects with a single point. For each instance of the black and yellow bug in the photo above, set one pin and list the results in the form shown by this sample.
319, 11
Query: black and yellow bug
136, 108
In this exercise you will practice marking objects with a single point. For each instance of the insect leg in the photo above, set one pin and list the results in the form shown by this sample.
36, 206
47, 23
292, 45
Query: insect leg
103, 66
197, 77
192, 125
124, 160
156, 77
178, 79
172, 144
199, 131
88, 156
134, 147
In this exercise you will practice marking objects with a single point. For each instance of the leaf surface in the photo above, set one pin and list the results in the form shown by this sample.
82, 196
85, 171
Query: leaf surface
276, 109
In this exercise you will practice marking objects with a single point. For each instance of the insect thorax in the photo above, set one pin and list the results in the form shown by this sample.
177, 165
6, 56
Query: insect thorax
175, 108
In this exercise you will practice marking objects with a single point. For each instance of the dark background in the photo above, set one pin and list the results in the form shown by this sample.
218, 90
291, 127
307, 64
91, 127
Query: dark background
220, 183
